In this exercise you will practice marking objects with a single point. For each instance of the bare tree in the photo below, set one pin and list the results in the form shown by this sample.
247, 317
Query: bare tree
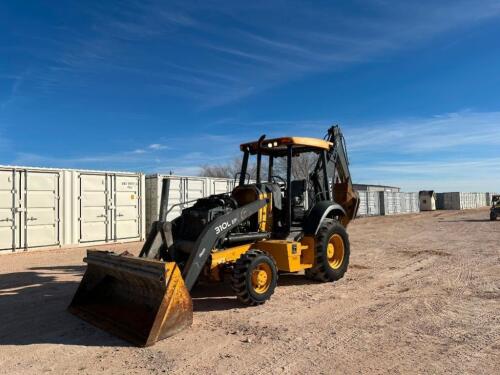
227, 170
302, 166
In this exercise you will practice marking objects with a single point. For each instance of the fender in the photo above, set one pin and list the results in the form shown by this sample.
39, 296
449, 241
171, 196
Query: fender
320, 212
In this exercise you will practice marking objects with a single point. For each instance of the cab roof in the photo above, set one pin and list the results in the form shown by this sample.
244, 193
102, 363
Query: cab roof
278, 146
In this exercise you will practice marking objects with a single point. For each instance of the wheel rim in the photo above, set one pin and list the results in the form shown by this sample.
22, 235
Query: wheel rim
261, 278
335, 251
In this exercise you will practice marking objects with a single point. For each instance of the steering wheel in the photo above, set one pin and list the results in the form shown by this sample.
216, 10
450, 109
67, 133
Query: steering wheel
279, 178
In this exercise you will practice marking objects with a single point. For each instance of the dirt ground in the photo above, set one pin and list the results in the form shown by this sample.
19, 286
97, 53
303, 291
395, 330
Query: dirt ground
422, 295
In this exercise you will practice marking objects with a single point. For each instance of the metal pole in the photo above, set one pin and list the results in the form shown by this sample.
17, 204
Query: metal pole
165, 190
289, 187
244, 165
270, 170
325, 176
259, 162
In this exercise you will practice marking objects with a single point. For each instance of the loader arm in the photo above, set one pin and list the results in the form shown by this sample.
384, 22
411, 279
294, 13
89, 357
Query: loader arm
217, 229
159, 241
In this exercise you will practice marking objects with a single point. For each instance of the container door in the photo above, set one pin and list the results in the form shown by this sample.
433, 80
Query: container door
408, 203
362, 208
194, 188
94, 223
127, 207
41, 209
221, 186
374, 199
175, 197
8, 238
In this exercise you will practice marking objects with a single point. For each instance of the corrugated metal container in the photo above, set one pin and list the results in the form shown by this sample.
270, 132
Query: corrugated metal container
410, 203
44, 207
221, 185
393, 203
182, 190
440, 201
363, 204
461, 200
376, 188
369, 203
427, 200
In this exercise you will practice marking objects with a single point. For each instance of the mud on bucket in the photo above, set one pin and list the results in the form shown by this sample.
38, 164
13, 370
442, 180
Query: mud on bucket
139, 300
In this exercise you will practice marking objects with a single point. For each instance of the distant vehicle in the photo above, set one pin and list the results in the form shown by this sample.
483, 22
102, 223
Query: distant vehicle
495, 207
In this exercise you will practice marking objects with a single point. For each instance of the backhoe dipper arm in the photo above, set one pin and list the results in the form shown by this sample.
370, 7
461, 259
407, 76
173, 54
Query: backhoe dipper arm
342, 185
343, 192
216, 230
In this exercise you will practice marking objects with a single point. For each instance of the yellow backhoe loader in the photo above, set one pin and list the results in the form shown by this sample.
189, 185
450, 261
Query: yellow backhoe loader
276, 224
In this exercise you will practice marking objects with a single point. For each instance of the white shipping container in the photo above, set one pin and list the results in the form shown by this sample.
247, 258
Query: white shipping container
461, 200
427, 200
182, 191
369, 203
393, 203
363, 204
45, 207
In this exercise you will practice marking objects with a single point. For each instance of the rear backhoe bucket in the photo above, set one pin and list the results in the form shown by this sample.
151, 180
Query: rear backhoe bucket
140, 300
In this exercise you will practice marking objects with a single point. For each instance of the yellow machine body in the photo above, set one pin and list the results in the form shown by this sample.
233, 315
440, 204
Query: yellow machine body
290, 256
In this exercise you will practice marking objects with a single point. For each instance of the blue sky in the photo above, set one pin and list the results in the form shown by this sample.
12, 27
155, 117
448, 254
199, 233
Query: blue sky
162, 86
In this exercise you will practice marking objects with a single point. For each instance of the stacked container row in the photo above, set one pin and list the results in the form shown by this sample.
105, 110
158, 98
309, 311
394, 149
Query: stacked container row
61, 207
461, 201
184, 190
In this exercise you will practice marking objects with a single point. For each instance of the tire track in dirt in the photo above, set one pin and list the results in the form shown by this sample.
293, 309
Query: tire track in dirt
417, 299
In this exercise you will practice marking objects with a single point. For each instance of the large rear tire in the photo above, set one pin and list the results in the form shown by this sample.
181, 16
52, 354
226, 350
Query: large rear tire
254, 277
493, 216
332, 253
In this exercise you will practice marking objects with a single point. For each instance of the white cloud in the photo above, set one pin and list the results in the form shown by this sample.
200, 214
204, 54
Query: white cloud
448, 152
14, 94
421, 135
451, 151
476, 175
157, 146
236, 49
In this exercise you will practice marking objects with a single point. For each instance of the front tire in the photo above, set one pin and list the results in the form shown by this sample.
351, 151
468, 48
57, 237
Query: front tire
254, 277
332, 251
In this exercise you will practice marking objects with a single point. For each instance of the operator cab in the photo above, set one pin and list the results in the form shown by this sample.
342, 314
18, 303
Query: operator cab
292, 172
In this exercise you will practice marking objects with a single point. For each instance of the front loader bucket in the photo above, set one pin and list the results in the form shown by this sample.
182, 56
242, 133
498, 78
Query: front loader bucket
140, 300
